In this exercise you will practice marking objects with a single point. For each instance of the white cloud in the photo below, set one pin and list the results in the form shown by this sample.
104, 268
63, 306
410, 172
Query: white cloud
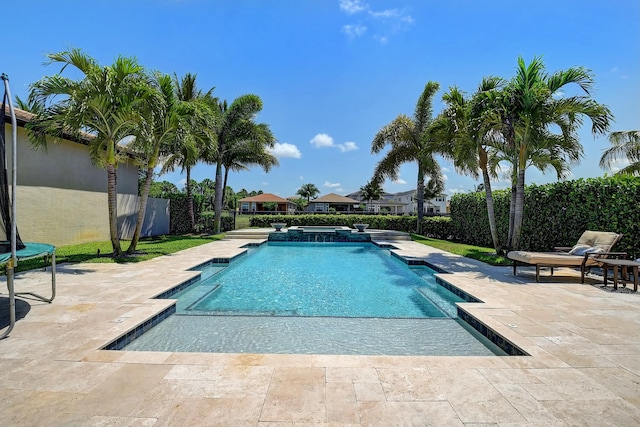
399, 181
285, 150
353, 6
445, 178
348, 146
445, 169
455, 190
301, 178
331, 185
354, 31
322, 140
265, 184
384, 22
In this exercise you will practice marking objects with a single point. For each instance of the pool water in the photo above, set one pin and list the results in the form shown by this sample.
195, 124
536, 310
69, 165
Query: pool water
307, 298
331, 280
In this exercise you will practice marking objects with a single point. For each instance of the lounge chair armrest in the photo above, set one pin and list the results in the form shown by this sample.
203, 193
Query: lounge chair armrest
562, 248
617, 255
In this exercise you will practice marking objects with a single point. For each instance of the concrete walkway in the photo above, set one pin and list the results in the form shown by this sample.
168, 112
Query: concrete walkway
583, 368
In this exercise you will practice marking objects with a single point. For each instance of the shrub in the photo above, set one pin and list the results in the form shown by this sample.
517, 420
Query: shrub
556, 214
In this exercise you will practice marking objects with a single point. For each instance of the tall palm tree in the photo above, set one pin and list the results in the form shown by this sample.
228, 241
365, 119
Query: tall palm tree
372, 190
153, 137
105, 103
194, 138
533, 106
626, 146
467, 126
411, 140
308, 191
236, 126
252, 151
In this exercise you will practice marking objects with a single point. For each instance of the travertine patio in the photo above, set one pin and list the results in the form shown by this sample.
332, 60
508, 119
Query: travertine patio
584, 367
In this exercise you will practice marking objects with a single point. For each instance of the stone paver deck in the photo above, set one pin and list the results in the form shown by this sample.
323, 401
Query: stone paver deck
584, 367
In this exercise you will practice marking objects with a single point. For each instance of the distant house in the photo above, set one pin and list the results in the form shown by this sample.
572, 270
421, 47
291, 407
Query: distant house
435, 206
404, 203
256, 204
333, 202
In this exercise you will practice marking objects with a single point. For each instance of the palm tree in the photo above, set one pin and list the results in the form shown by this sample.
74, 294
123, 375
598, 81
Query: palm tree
467, 125
104, 103
300, 203
532, 107
372, 190
193, 139
238, 135
626, 145
411, 140
252, 151
153, 137
308, 191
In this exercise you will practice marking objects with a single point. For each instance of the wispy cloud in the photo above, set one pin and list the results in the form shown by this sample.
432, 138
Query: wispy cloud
399, 181
331, 184
353, 31
348, 146
323, 140
353, 6
285, 150
384, 22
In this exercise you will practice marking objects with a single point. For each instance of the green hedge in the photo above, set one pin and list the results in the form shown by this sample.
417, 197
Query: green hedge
179, 212
556, 214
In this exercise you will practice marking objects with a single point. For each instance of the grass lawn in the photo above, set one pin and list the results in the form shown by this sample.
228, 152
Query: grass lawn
487, 255
100, 251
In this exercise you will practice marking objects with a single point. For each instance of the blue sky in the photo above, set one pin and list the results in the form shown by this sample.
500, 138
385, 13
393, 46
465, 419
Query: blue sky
331, 73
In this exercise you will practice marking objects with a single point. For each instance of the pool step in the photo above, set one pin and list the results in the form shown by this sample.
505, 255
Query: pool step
438, 301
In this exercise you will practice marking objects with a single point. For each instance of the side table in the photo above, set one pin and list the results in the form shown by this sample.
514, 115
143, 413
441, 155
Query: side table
623, 278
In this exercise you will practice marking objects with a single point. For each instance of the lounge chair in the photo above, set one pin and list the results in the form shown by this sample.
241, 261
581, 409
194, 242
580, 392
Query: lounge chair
591, 246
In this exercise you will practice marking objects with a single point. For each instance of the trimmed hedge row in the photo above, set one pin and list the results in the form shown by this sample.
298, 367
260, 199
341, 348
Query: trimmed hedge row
556, 214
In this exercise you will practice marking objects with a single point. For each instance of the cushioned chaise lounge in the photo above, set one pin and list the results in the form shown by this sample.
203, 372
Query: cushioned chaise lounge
591, 246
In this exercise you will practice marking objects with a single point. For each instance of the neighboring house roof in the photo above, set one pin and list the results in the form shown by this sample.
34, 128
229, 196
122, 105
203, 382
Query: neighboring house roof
335, 198
264, 198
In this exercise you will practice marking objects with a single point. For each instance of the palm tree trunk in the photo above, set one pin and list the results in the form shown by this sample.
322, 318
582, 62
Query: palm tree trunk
224, 184
141, 211
420, 199
491, 213
512, 212
519, 210
217, 205
112, 202
192, 216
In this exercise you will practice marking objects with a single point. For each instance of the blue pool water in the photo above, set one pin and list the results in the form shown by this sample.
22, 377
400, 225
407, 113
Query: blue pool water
332, 280
306, 298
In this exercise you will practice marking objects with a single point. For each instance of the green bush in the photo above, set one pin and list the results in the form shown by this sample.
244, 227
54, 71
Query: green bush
179, 212
556, 214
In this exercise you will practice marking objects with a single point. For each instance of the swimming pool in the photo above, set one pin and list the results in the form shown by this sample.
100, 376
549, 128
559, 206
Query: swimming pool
329, 280
329, 298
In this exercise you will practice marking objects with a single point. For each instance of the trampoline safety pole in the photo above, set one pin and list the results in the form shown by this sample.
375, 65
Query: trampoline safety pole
11, 264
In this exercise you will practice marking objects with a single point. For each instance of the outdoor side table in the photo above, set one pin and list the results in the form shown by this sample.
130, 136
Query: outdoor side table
624, 277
